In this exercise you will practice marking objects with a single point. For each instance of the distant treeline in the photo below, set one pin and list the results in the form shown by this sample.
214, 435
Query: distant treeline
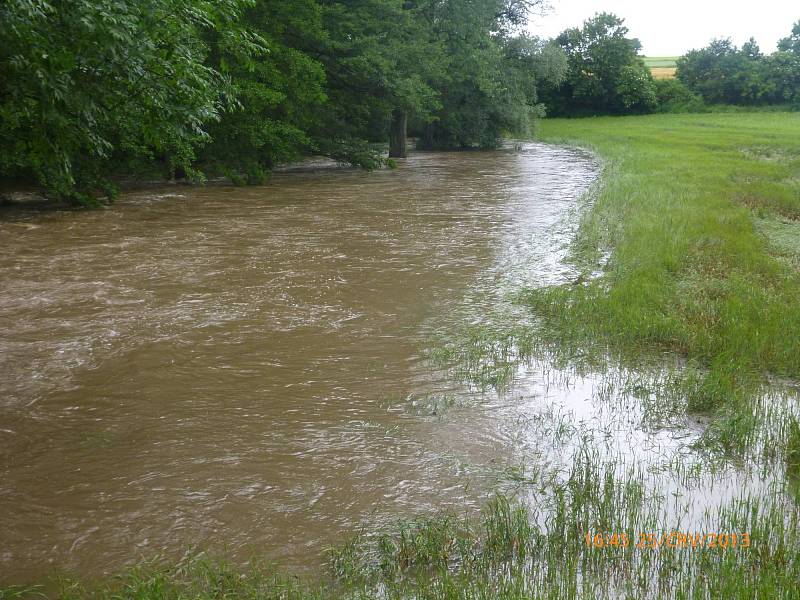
721, 73
90, 89
606, 75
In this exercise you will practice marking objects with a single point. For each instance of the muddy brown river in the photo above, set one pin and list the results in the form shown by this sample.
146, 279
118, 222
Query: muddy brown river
245, 369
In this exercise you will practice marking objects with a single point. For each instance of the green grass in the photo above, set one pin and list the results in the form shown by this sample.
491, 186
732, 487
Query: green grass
660, 61
692, 270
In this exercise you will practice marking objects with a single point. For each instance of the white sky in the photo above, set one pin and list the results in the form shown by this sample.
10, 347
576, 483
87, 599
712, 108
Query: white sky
672, 28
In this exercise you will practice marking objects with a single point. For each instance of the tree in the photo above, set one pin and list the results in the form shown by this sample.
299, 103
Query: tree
782, 75
791, 43
605, 73
451, 70
90, 89
379, 62
84, 82
672, 95
278, 85
492, 73
783, 69
724, 74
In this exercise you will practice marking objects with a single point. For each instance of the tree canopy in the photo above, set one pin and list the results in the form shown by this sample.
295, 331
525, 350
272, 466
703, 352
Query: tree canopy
605, 73
722, 73
89, 89
83, 82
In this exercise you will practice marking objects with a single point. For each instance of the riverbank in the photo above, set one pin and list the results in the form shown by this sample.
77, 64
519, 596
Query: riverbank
684, 309
699, 215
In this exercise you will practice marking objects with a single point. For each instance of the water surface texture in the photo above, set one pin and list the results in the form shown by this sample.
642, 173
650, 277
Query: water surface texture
238, 368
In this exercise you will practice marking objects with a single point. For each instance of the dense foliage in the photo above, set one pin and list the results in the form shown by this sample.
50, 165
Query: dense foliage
722, 73
489, 81
83, 82
232, 87
93, 91
277, 86
606, 75
672, 96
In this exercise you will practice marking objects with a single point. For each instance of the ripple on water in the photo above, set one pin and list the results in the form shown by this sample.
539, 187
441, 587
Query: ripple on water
235, 366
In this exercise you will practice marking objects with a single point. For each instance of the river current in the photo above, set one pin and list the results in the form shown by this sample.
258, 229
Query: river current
246, 369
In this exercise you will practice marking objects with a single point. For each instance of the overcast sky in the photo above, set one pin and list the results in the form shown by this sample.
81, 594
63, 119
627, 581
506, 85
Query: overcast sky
672, 28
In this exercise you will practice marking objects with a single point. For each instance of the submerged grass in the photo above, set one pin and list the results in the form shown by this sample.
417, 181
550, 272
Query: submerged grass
514, 550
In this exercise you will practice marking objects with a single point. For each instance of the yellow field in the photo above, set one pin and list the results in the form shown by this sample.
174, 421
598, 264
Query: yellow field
663, 72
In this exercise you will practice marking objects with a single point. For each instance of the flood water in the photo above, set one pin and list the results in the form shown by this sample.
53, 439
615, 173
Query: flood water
244, 369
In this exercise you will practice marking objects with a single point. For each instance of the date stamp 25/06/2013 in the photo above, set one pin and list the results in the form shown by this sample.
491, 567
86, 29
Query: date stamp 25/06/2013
667, 539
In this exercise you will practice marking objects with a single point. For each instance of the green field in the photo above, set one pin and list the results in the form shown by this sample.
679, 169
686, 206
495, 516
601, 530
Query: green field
689, 257
660, 61
661, 67
691, 206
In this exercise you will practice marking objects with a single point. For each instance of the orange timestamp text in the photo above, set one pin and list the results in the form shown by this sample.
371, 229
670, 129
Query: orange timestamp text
667, 539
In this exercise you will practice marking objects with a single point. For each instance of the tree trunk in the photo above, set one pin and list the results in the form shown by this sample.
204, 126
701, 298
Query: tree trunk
397, 134
427, 137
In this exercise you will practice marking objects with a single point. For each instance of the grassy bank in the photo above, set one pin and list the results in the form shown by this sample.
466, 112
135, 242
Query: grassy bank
700, 216
688, 256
